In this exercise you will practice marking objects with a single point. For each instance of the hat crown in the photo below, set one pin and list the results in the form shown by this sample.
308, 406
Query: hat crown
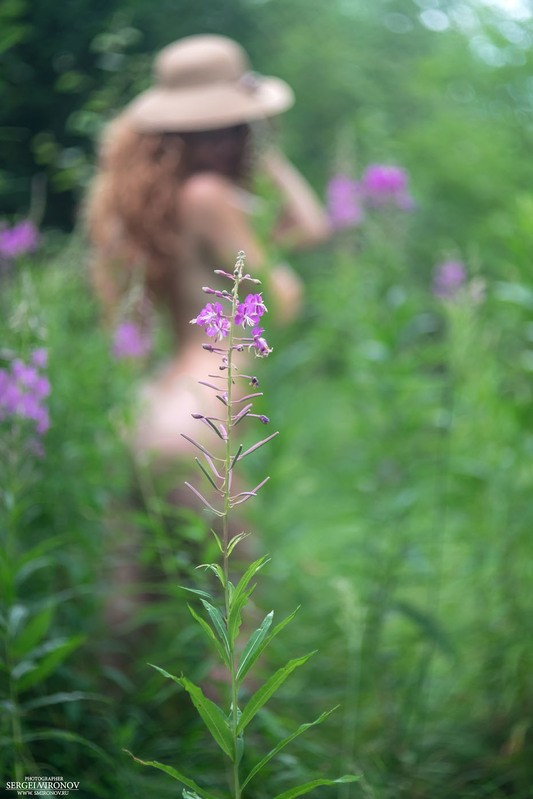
200, 61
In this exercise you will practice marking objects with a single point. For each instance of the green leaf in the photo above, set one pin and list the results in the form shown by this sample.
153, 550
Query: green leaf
216, 569
212, 716
211, 635
61, 649
219, 624
219, 542
283, 623
240, 595
209, 477
299, 790
196, 591
254, 647
16, 616
28, 569
71, 738
33, 632
264, 693
55, 699
177, 775
273, 752
236, 540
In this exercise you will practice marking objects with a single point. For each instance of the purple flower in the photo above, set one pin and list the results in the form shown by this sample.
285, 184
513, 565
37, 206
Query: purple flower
344, 202
39, 357
130, 341
218, 328
23, 390
25, 374
21, 238
211, 312
448, 278
261, 346
382, 185
213, 320
250, 311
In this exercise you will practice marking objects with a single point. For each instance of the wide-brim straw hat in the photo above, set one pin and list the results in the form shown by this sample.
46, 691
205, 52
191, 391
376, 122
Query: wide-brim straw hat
203, 83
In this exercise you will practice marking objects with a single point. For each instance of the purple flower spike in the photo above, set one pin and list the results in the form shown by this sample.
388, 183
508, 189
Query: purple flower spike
23, 391
344, 202
384, 185
130, 341
448, 279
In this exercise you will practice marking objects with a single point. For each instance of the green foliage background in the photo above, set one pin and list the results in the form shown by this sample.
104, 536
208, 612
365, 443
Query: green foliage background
410, 550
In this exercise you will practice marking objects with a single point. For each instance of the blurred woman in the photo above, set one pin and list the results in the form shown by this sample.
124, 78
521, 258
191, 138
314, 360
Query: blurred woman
171, 202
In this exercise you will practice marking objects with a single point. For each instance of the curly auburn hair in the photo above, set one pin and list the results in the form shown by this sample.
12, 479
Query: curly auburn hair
131, 211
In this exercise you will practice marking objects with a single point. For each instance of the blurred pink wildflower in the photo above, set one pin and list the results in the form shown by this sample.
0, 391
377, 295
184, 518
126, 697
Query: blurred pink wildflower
384, 185
23, 390
20, 239
448, 278
344, 202
130, 341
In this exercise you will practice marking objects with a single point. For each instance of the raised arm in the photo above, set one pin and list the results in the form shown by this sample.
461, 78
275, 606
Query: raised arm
304, 222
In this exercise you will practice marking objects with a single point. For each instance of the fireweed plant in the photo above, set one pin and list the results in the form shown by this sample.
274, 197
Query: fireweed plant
227, 723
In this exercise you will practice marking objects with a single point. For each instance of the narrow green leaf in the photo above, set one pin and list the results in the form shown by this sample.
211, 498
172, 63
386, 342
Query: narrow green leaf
196, 591
219, 624
216, 569
49, 662
235, 617
299, 790
231, 592
236, 540
264, 693
204, 470
273, 752
211, 635
28, 569
239, 595
254, 647
219, 542
33, 632
16, 616
71, 738
283, 623
212, 716
55, 699
177, 775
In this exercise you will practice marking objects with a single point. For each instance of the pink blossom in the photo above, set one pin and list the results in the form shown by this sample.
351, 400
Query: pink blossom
130, 341
250, 311
344, 202
382, 185
20, 239
448, 279
260, 344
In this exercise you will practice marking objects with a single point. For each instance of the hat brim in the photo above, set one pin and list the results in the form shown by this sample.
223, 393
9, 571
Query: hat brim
209, 107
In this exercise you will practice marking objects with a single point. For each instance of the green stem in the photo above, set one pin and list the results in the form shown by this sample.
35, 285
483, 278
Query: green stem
226, 536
